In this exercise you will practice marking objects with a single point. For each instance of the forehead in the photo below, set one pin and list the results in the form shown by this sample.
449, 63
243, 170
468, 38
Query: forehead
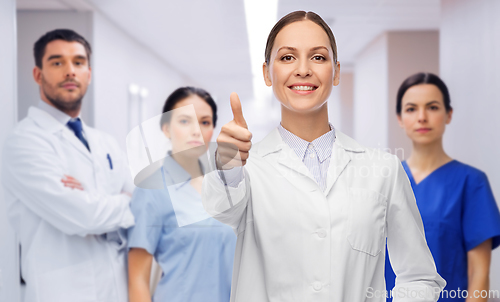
423, 93
64, 48
186, 106
302, 34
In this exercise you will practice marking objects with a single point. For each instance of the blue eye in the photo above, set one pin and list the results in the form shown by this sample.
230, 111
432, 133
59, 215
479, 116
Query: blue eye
183, 121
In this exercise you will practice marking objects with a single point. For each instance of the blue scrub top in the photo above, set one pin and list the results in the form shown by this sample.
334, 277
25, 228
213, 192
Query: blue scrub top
195, 251
459, 212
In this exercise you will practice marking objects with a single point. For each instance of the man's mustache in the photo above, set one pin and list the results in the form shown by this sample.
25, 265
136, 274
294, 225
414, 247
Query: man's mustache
70, 81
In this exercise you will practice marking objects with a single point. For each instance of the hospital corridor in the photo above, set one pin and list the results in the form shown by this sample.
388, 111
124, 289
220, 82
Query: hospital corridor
249, 150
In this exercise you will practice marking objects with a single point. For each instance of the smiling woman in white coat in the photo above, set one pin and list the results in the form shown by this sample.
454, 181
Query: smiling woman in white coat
313, 208
67, 186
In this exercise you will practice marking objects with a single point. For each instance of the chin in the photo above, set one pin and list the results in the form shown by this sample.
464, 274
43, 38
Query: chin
193, 152
424, 140
70, 98
303, 107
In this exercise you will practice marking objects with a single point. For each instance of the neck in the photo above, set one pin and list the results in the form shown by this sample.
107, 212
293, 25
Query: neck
188, 163
308, 126
428, 156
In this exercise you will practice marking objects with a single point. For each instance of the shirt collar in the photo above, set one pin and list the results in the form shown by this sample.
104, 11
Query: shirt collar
176, 173
60, 116
322, 145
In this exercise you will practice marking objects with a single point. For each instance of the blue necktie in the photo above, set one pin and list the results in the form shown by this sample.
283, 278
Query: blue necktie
76, 126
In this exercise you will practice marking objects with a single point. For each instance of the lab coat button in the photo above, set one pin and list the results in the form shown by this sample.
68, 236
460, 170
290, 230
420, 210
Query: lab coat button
317, 286
321, 233
310, 146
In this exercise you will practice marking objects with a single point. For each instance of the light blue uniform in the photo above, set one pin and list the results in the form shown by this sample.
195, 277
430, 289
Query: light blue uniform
195, 251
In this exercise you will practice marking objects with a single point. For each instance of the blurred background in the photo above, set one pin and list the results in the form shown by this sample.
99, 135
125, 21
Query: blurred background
143, 50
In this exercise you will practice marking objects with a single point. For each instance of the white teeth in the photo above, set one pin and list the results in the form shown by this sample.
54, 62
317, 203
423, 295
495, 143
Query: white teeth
303, 88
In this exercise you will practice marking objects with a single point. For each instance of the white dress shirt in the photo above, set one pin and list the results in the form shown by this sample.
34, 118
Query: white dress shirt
297, 242
315, 155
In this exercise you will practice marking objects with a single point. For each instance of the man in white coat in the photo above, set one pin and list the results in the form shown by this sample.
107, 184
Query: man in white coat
68, 186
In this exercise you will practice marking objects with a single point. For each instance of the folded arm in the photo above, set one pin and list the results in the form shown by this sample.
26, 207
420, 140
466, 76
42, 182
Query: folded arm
33, 173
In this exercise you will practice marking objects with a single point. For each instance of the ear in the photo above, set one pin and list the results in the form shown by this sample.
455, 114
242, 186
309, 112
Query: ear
267, 77
37, 75
90, 74
336, 75
166, 130
400, 121
450, 113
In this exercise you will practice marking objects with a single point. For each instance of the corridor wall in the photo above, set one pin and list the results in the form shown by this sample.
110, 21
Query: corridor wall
9, 249
469, 64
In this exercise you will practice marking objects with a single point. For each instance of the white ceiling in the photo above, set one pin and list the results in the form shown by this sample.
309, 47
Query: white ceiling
207, 39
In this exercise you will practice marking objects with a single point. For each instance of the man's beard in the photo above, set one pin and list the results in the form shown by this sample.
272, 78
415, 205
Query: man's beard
59, 103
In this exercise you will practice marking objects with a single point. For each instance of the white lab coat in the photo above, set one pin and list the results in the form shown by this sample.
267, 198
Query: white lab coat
298, 243
65, 252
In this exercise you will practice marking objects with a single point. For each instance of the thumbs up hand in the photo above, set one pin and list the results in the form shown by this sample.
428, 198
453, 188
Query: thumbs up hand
234, 140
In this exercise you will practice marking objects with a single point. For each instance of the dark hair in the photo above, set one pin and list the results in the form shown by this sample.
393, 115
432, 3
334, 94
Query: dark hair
180, 94
423, 78
294, 17
58, 34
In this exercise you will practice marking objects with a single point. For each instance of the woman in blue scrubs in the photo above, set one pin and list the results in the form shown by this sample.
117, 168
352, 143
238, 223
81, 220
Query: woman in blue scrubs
460, 215
194, 251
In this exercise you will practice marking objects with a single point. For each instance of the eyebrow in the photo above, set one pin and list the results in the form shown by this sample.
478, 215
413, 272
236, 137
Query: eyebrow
431, 102
294, 49
319, 47
184, 115
52, 57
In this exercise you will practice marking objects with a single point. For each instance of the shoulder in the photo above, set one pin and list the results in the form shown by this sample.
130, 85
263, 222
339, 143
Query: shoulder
155, 202
268, 144
28, 135
26, 127
472, 176
466, 169
362, 155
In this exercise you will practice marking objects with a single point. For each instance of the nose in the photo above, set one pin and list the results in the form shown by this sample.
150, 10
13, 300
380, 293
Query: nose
303, 69
70, 70
196, 131
422, 116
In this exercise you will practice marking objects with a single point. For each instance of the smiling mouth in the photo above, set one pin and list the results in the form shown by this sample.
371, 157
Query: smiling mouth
303, 88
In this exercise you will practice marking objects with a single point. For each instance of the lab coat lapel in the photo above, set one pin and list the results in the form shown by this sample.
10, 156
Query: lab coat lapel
50, 124
288, 158
342, 152
284, 159
71, 137
92, 140
338, 162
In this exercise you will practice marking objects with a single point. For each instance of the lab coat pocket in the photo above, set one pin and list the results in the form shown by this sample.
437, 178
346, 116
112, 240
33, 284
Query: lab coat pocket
74, 283
111, 179
366, 223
